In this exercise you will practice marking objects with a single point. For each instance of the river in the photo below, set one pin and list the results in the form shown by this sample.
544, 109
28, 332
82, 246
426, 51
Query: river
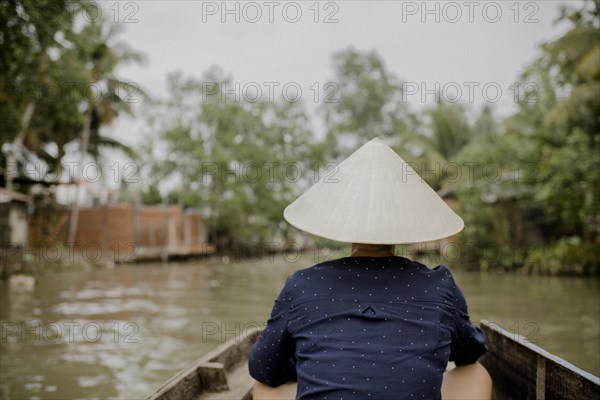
120, 332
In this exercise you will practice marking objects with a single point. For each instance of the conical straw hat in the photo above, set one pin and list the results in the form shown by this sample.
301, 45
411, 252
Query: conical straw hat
373, 197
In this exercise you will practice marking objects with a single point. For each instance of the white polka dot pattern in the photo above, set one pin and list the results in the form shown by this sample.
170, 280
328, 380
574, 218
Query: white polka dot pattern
362, 327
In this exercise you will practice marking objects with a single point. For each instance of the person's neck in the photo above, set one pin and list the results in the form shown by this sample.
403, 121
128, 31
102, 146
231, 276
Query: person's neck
372, 250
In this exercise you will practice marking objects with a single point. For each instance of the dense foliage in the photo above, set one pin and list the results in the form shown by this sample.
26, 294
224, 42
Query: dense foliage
58, 86
527, 186
239, 162
543, 213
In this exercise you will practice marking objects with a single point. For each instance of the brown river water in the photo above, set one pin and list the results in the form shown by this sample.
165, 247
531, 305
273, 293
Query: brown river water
97, 333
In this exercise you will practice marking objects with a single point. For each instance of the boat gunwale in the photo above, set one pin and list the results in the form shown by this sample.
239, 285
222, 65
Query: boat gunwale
222, 355
207, 359
523, 341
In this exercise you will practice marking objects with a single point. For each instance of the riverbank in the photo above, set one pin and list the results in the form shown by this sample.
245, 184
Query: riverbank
32, 261
24, 261
541, 261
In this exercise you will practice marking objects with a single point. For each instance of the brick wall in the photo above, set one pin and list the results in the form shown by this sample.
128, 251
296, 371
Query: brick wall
90, 228
154, 226
118, 228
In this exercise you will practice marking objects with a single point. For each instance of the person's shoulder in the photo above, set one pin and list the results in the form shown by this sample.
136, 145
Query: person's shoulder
441, 273
445, 275
439, 269
304, 278
442, 269
306, 273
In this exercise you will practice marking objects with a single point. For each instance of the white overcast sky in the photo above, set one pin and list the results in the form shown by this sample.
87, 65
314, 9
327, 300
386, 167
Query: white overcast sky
465, 44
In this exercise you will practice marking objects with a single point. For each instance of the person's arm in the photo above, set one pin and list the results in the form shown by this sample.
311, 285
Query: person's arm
465, 382
468, 341
287, 391
272, 359
469, 379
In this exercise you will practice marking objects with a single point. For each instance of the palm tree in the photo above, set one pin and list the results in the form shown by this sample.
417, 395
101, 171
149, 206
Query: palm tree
26, 44
100, 59
577, 54
437, 141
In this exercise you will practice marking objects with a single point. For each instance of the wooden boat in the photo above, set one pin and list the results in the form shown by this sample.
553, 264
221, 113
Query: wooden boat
519, 369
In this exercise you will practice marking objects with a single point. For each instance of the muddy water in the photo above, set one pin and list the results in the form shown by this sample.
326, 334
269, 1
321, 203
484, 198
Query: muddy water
121, 332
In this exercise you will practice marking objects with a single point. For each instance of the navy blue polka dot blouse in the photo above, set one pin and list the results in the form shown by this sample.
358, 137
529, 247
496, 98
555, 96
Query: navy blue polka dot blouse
366, 328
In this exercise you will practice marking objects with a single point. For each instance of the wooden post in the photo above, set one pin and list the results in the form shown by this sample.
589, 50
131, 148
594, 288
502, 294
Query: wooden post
540, 378
524, 371
187, 231
213, 376
105, 238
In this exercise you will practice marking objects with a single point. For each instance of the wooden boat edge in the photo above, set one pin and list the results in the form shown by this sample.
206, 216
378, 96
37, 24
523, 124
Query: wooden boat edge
532, 372
521, 369
206, 363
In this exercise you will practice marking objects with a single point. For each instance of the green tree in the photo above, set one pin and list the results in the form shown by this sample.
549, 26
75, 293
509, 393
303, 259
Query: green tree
53, 72
102, 94
367, 103
547, 194
32, 38
237, 161
569, 132
574, 59
433, 148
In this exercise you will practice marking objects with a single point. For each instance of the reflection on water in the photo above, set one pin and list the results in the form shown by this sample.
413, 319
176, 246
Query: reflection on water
122, 332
